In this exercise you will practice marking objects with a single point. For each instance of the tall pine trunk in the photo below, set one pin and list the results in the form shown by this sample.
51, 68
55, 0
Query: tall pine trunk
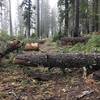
29, 18
87, 18
66, 18
97, 15
77, 17
38, 18
10, 18
95, 23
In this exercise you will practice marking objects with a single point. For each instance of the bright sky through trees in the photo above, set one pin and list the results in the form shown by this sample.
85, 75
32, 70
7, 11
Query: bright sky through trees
53, 4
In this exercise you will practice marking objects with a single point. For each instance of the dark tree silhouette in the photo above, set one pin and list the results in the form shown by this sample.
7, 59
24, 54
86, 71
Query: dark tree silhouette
77, 8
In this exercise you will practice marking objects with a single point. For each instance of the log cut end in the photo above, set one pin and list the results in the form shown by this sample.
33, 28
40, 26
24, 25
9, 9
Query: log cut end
32, 47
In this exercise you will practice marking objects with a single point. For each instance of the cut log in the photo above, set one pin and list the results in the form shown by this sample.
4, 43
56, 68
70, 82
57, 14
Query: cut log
32, 47
73, 40
90, 61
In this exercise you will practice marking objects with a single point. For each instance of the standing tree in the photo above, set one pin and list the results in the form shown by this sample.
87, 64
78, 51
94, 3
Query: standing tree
53, 22
10, 18
66, 17
45, 18
77, 8
84, 16
27, 14
38, 18
20, 19
95, 26
1, 5
5, 17
61, 10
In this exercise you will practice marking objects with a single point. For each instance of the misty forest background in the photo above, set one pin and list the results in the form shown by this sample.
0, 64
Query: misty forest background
71, 18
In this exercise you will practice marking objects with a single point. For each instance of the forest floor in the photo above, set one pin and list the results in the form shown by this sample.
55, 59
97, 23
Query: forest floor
16, 84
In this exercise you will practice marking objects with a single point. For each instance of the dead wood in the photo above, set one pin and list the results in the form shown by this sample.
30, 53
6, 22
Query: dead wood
73, 40
90, 61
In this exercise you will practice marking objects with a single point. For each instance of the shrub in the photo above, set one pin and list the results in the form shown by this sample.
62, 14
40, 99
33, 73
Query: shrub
94, 41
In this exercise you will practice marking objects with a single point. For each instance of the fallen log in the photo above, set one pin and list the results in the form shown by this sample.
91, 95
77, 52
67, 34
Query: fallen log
90, 61
73, 40
39, 76
12, 46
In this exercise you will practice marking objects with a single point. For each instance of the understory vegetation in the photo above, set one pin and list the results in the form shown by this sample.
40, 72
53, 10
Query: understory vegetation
23, 83
92, 46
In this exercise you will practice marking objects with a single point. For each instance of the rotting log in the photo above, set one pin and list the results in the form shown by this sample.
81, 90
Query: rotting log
73, 40
90, 61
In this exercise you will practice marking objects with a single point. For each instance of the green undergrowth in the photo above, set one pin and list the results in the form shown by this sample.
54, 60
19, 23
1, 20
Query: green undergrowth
93, 45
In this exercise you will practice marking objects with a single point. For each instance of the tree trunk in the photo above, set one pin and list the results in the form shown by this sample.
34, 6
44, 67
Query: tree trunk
87, 18
77, 7
95, 23
29, 18
97, 15
10, 18
38, 18
60, 60
66, 18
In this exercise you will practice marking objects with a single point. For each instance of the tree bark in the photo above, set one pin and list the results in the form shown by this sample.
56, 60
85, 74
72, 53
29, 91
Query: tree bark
59, 60
73, 40
77, 8
66, 18
38, 18
29, 18
97, 15
95, 23
10, 18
